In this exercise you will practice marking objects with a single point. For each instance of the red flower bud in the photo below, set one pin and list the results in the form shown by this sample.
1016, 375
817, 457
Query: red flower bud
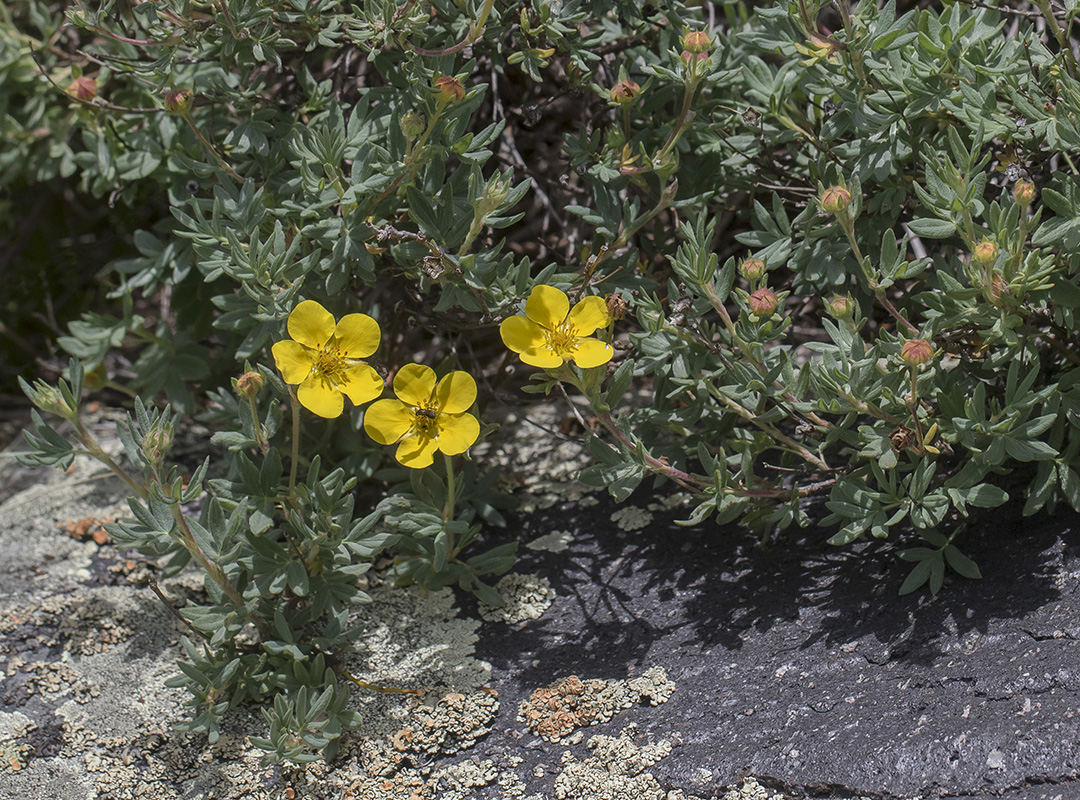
986, 252
916, 352
624, 92
753, 269
178, 101
835, 199
840, 306
1024, 193
696, 42
84, 89
449, 90
763, 302
248, 385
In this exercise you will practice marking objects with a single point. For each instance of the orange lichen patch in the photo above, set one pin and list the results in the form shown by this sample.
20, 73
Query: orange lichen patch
554, 711
87, 529
557, 710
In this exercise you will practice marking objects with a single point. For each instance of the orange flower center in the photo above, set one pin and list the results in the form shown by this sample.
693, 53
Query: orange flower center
562, 340
329, 363
425, 420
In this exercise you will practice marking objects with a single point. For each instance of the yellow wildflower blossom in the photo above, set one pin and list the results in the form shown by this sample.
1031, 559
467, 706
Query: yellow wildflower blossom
552, 333
426, 416
324, 358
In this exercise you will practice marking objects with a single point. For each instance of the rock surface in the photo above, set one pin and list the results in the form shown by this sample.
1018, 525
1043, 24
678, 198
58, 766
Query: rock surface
638, 660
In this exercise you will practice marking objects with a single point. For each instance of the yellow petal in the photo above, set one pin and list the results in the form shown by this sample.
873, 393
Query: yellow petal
414, 384
455, 393
547, 306
360, 383
543, 357
357, 336
417, 451
293, 360
319, 396
519, 334
311, 324
588, 315
591, 353
388, 420
457, 432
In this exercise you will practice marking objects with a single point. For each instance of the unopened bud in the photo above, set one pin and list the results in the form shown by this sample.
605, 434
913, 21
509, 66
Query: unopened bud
624, 92
449, 90
84, 89
178, 101
696, 42
45, 397
840, 306
1024, 192
753, 269
762, 303
248, 385
835, 199
412, 125
986, 252
156, 444
916, 352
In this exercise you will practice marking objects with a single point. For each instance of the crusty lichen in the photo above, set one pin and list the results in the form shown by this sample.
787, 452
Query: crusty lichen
527, 597
555, 711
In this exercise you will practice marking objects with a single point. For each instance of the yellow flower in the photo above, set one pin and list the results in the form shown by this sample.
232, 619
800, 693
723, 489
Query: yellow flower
552, 333
427, 416
324, 358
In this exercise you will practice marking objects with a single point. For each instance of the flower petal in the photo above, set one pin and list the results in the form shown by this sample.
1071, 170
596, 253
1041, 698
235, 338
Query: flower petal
547, 306
543, 357
360, 383
588, 315
455, 393
311, 324
319, 396
457, 432
417, 451
520, 333
591, 353
293, 360
414, 384
357, 336
386, 421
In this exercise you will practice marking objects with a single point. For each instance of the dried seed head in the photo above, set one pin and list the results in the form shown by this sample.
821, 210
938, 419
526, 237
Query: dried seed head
616, 305
916, 352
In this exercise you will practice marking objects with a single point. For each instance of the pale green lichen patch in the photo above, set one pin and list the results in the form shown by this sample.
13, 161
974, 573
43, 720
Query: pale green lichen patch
540, 467
556, 711
750, 789
527, 597
617, 770
632, 518
554, 542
